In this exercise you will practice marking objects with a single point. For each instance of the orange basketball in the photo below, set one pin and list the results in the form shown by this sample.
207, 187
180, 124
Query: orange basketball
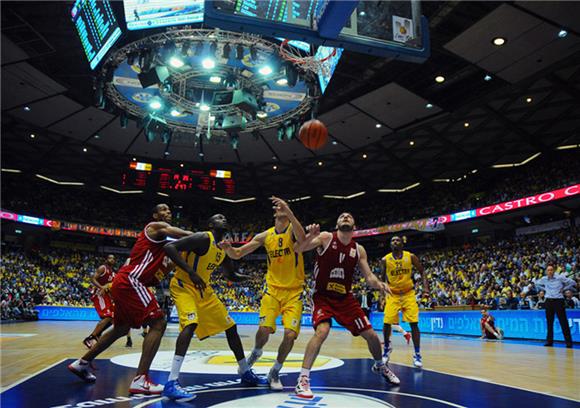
313, 134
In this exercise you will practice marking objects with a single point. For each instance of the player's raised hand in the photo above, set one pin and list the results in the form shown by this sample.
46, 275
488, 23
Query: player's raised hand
280, 206
313, 230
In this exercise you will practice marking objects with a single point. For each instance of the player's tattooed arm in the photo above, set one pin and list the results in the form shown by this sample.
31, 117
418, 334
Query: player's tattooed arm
197, 243
372, 280
419, 266
161, 230
240, 252
282, 207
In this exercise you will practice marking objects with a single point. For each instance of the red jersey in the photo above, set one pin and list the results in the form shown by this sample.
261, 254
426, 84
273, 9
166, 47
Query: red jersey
334, 268
487, 319
105, 278
147, 261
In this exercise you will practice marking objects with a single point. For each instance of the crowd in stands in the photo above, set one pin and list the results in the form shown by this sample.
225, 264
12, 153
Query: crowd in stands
487, 186
499, 274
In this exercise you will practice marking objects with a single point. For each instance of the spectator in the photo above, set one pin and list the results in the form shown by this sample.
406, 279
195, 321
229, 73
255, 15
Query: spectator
571, 301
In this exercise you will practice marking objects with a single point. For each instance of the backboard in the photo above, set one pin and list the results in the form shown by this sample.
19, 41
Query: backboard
393, 29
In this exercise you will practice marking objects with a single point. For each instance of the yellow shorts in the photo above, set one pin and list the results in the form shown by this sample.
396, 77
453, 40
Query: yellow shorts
405, 303
285, 302
208, 312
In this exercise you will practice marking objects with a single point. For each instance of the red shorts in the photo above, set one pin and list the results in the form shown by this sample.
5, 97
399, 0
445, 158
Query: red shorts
104, 304
135, 305
346, 311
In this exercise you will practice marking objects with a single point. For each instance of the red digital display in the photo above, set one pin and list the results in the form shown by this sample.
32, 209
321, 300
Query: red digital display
163, 179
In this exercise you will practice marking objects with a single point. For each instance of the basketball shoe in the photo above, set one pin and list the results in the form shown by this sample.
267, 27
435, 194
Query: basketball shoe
387, 350
173, 391
407, 337
142, 384
274, 380
386, 373
417, 360
82, 371
250, 378
302, 389
253, 357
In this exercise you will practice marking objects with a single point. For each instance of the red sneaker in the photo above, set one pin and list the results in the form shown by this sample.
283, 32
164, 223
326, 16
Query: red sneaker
407, 337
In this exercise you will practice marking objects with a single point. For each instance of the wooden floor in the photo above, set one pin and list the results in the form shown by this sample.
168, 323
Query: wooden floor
554, 371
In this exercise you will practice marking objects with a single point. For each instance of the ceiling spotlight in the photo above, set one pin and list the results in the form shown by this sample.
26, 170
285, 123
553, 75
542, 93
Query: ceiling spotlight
253, 52
134, 159
334, 142
215, 79
282, 81
226, 51
176, 62
378, 125
439, 79
27, 108
262, 114
562, 33
185, 48
84, 149
265, 70
275, 167
240, 52
320, 163
411, 143
204, 107
529, 100
208, 63
498, 41
181, 165
32, 135
200, 154
362, 14
466, 124
487, 78
364, 156
429, 106
175, 113
155, 104
213, 48
97, 137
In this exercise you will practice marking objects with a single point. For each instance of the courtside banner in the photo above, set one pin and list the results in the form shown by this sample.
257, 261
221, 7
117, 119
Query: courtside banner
67, 313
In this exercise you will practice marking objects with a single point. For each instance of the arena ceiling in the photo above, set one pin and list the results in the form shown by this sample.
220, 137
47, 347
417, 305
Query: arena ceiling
383, 135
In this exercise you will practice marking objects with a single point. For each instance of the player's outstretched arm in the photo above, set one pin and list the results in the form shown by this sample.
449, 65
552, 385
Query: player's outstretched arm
417, 264
161, 230
197, 243
283, 208
314, 239
240, 252
372, 280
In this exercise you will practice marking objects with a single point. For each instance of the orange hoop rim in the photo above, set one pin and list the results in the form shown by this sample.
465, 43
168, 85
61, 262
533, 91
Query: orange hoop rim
284, 54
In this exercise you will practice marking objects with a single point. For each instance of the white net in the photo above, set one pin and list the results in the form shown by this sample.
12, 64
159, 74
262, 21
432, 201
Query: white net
305, 62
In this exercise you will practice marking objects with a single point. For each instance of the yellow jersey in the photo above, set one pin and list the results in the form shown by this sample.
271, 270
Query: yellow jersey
285, 267
203, 265
399, 272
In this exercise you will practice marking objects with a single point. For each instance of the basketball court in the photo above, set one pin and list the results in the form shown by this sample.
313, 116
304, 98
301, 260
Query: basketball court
458, 372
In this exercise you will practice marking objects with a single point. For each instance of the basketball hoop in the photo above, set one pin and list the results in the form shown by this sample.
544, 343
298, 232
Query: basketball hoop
308, 63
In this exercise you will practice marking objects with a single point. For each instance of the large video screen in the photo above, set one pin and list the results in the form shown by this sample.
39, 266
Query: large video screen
97, 28
330, 64
141, 14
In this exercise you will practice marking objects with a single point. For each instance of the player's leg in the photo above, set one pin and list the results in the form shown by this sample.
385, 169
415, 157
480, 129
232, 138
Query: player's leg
82, 366
269, 311
235, 344
103, 325
491, 330
312, 349
129, 342
399, 329
550, 314
391, 317
410, 310
151, 344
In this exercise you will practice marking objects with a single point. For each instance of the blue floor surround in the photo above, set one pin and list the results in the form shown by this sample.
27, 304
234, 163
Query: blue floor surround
351, 385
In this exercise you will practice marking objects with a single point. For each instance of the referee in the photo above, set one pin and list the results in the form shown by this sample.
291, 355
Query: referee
554, 286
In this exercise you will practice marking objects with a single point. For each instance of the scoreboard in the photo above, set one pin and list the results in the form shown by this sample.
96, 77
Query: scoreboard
143, 176
97, 28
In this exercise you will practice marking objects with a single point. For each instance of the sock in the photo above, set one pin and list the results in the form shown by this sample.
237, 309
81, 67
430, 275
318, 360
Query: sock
417, 350
379, 363
305, 372
83, 362
175, 367
277, 366
243, 364
257, 352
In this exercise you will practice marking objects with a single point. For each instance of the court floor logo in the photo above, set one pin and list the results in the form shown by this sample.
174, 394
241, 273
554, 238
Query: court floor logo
322, 399
223, 362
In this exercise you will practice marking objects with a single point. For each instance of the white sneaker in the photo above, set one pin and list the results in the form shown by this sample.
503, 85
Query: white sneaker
303, 388
386, 373
417, 360
142, 384
82, 371
274, 381
253, 357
